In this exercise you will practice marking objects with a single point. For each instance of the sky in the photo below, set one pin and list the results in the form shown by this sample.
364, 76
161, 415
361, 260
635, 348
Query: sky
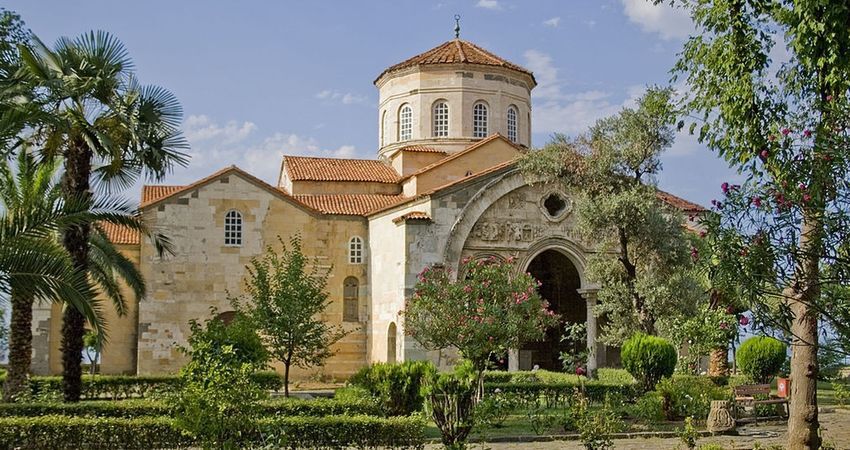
260, 79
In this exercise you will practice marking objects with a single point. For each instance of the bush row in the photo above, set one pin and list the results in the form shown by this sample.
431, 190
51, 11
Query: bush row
554, 394
62, 432
148, 408
118, 387
604, 376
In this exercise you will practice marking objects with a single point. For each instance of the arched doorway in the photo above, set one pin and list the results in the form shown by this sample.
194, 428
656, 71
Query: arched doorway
560, 282
391, 343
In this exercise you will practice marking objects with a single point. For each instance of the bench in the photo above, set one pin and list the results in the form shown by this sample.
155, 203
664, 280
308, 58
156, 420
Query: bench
745, 395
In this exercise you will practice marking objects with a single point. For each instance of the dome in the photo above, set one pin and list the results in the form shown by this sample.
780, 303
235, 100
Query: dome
457, 51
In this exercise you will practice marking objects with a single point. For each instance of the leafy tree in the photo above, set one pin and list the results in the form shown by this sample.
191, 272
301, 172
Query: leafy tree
218, 400
82, 102
31, 186
285, 298
92, 344
486, 311
642, 261
13, 33
708, 329
784, 233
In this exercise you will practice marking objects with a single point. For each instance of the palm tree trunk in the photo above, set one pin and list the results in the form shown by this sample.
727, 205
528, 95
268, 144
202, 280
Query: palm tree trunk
20, 345
75, 185
718, 362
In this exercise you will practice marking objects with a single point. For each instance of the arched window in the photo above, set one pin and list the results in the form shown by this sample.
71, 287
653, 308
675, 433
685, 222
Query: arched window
405, 123
512, 123
440, 114
226, 317
350, 300
383, 126
233, 229
391, 343
479, 120
355, 250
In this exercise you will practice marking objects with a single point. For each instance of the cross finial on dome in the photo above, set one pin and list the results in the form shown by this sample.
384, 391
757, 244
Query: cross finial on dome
457, 26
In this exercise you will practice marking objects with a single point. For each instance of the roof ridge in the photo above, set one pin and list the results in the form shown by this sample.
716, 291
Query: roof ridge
456, 155
460, 50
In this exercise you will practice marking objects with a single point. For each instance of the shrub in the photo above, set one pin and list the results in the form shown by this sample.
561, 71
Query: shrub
760, 358
493, 409
396, 387
62, 432
649, 408
451, 399
648, 359
595, 427
688, 396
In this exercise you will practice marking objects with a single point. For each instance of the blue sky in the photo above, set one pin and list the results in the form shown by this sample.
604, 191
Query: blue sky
261, 79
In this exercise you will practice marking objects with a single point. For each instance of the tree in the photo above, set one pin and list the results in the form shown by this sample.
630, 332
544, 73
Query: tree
285, 298
83, 103
31, 186
785, 126
487, 310
92, 345
642, 262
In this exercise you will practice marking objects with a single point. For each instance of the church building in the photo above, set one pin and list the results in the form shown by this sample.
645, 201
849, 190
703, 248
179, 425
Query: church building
444, 186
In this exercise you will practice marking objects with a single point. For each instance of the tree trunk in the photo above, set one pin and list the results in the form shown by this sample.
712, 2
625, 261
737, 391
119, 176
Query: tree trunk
75, 185
20, 345
803, 411
718, 362
645, 319
286, 365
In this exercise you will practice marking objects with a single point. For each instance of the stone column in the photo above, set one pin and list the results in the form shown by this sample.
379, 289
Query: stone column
589, 296
513, 360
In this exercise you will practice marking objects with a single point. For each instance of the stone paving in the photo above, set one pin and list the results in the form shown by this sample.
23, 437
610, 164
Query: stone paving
836, 427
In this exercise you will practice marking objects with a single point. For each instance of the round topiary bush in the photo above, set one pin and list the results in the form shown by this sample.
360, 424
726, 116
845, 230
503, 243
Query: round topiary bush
760, 358
648, 359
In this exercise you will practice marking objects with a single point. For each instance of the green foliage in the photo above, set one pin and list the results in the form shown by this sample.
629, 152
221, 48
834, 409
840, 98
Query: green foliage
643, 264
574, 336
648, 359
648, 408
708, 329
551, 389
760, 358
285, 298
284, 407
689, 434
494, 409
487, 310
62, 432
596, 426
688, 396
218, 399
841, 392
451, 400
396, 387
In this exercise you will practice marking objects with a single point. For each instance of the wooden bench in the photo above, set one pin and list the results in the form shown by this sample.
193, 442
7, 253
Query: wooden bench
745, 395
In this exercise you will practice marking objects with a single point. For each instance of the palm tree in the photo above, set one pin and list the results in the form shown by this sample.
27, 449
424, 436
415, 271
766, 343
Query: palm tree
32, 186
96, 116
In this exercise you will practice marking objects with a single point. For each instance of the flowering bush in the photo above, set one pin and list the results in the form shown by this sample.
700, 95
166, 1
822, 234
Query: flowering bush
487, 310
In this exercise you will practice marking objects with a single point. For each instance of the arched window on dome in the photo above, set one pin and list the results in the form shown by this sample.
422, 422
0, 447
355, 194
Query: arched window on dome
405, 123
512, 123
355, 250
479, 120
233, 229
440, 115
383, 127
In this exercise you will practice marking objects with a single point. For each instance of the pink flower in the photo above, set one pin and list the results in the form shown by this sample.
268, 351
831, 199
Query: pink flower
771, 138
757, 202
829, 98
702, 234
807, 133
467, 289
786, 131
802, 186
724, 187
723, 325
694, 253
807, 198
730, 309
744, 321
764, 154
580, 371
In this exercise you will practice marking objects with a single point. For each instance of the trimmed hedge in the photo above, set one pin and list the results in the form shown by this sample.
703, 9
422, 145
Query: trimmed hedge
761, 358
554, 394
62, 432
146, 408
119, 387
648, 359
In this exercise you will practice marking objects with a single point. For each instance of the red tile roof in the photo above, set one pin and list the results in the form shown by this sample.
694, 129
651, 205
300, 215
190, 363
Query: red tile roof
152, 193
420, 149
336, 169
413, 215
120, 235
348, 204
678, 202
454, 52
469, 149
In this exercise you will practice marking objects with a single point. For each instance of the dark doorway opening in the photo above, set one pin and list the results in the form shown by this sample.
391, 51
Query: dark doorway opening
559, 286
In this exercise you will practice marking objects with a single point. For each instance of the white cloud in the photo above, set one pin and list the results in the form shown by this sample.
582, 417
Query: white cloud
493, 5
667, 21
199, 128
346, 98
553, 22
